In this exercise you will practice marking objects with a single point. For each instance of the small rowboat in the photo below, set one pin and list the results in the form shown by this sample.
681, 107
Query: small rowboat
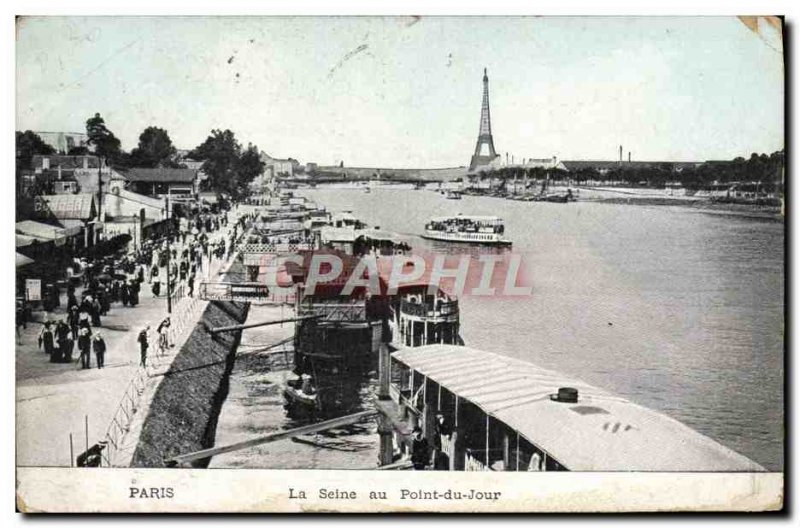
293, 390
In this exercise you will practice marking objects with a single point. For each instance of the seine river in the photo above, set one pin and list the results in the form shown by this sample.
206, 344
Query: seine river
674, 308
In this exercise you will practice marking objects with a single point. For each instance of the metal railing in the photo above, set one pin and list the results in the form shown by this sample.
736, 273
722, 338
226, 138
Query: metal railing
434, 309
274, 248
181, 323
344, 312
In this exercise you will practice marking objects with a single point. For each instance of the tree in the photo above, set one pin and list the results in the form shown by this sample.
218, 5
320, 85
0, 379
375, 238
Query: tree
248, 168
30, 144
155, 149
220, 152
106, 144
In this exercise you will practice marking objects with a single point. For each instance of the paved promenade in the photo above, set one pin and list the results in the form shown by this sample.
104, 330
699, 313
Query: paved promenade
54, 400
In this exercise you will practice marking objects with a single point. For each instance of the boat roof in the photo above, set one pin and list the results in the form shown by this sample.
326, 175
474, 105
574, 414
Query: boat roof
601, 432
477, 218
379, 235
338, 234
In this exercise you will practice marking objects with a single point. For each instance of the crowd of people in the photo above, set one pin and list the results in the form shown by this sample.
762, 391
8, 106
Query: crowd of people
177, 257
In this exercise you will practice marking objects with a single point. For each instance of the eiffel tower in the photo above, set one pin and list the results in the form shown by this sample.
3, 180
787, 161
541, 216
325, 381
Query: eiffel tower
484, 149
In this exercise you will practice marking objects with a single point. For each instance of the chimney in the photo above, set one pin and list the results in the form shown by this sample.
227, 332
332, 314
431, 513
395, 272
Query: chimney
629, 156
620, 153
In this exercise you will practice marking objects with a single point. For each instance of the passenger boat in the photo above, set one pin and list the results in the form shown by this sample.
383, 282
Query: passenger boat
453, 195
497, 413
486, 230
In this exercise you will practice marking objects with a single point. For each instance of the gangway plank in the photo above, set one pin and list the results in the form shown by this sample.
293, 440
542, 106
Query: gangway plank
272, 437
234, 328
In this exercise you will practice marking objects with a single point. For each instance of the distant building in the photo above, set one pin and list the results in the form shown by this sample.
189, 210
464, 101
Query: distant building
63, 142
182, 158
279, 167
544, 163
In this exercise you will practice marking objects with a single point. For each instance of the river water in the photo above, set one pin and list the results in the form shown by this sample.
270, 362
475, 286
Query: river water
675, 308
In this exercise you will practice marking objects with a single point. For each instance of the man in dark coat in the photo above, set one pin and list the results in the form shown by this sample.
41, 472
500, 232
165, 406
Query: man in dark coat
65, 346
124, 294
95, 313
420, 453
73, 318
115, 291
46, 339
133, 288
86, 305
84, 345
105, 300
99, 345
143, 344
184, 269
72, 301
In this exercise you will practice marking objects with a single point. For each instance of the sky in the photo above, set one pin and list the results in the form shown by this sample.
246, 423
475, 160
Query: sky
406, 91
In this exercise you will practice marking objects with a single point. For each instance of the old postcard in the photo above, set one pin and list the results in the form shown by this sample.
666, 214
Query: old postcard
399, 264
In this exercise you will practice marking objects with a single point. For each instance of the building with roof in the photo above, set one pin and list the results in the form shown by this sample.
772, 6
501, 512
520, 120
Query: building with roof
179, 184
41, 162
507, 414
77, 212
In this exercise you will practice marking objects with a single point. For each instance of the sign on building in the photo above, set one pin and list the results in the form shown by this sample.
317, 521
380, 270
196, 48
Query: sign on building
33, 289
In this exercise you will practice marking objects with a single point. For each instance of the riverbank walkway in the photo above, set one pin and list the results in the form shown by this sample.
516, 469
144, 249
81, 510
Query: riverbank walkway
56, 400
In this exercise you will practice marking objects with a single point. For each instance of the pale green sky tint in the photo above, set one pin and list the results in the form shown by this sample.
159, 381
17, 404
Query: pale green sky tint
392, 92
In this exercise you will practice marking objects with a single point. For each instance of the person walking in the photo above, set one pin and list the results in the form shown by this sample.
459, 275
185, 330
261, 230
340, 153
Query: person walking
191, 284
83, 322
143, 344
124, 293
99, 345
163, 336
134, 288
184, 269
73, 318
96, 311
65, 346
84, 345
156, 288
46, 339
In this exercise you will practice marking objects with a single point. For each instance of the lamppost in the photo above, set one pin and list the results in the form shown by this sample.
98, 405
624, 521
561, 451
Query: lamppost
169, 256
136, 235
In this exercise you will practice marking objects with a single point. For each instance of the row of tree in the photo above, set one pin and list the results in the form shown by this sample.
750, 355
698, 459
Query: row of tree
765, 169
229, 166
